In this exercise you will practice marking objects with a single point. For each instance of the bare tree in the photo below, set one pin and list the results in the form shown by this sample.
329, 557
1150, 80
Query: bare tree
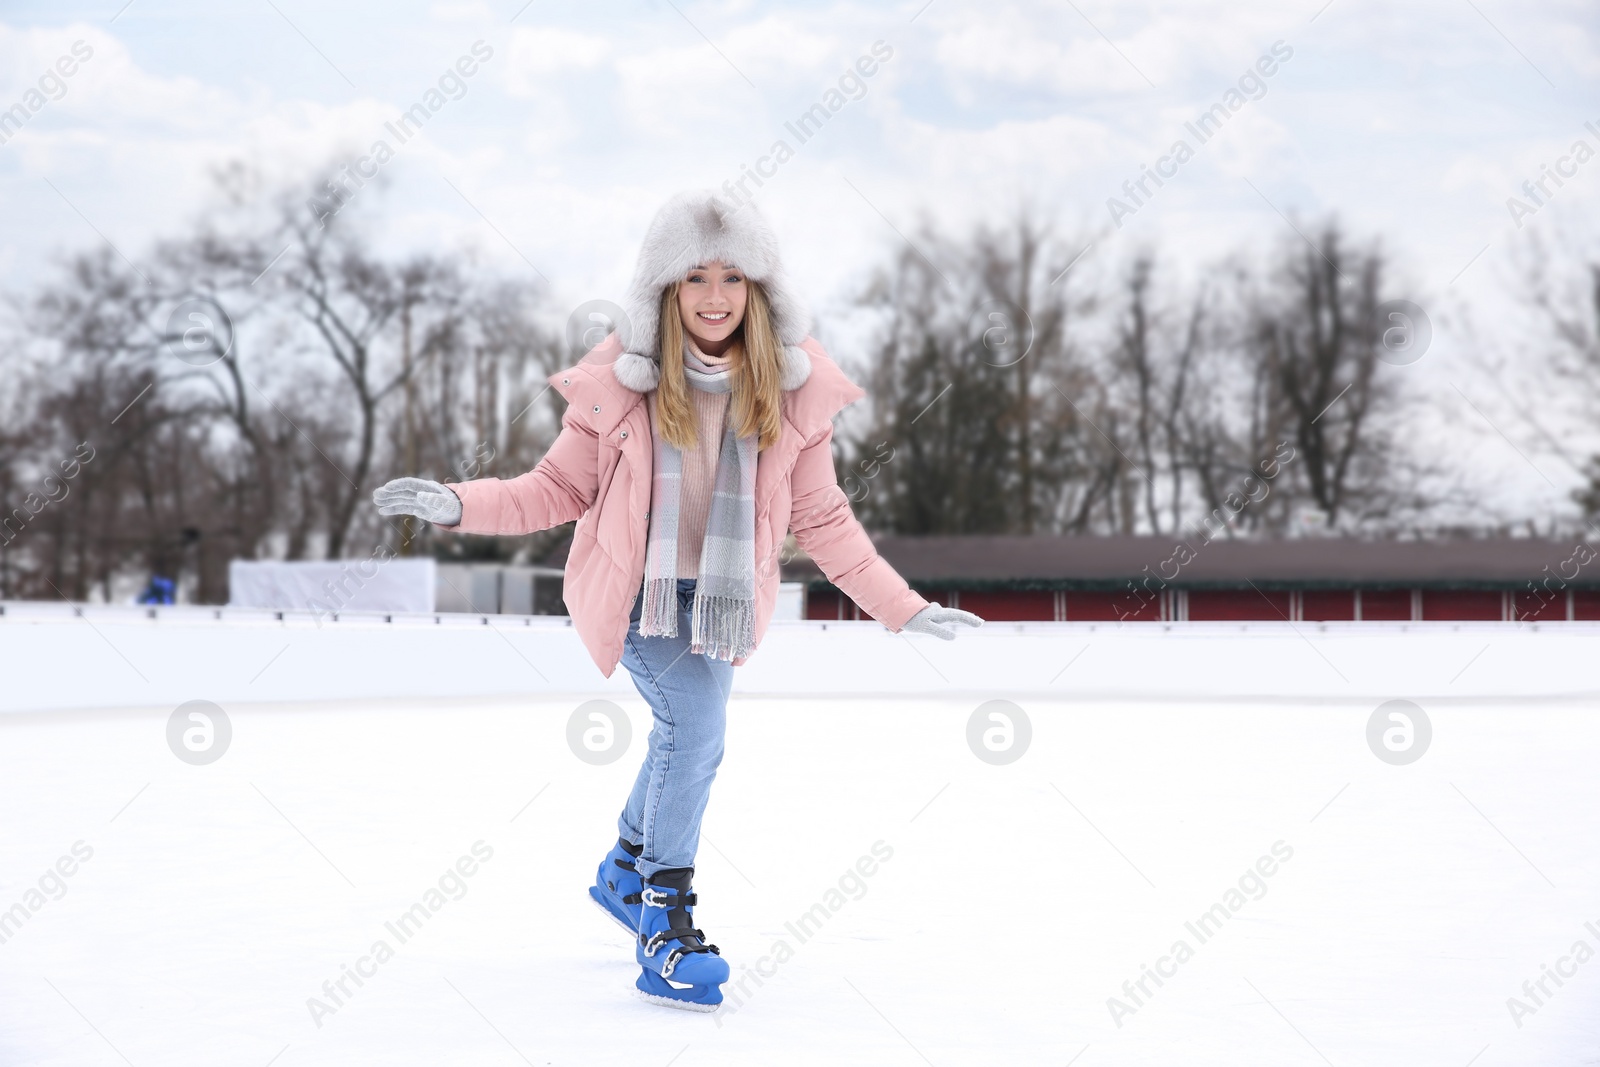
967, 372
1313, 337
1560, 283
1153, 359
267, 435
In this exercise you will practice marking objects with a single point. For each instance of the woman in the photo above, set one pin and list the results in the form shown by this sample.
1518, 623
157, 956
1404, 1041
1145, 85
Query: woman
694, 439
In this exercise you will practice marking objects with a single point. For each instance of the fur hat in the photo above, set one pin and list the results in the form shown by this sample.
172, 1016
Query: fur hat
696, 227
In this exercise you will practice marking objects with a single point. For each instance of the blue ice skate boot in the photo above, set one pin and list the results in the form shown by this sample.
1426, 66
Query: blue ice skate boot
617, 885
678, 967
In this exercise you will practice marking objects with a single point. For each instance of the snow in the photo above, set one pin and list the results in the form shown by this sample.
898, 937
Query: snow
1015, 899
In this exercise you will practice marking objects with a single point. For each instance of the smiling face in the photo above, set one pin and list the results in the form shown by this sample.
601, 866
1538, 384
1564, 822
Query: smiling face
711, 301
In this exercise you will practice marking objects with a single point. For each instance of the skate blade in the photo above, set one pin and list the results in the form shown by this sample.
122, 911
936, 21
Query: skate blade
681, 1005
608, 913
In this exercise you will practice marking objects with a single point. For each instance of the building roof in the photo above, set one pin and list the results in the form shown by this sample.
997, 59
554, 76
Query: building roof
1065, 562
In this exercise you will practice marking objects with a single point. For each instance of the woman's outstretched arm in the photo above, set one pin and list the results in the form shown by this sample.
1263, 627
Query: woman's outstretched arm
559, 489
828, 531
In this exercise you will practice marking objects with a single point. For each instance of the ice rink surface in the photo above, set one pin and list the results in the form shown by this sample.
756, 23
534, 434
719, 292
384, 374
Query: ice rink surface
997, 913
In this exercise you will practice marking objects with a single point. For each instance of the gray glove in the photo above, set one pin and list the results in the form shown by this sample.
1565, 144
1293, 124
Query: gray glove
419, 497
930, 619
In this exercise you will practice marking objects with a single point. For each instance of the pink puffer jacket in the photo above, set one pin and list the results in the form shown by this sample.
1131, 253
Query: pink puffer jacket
598, 472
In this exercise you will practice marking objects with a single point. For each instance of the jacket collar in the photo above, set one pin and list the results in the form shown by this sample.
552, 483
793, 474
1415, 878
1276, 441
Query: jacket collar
607, 383
641, 374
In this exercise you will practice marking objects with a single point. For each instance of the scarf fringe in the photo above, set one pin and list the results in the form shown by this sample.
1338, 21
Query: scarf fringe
659, 616
724, 627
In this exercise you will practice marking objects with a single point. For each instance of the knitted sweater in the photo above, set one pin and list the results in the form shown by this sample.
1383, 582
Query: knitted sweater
699, 478
699, 474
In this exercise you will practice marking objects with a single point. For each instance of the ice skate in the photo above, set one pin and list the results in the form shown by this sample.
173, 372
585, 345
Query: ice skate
679, 969
617, 885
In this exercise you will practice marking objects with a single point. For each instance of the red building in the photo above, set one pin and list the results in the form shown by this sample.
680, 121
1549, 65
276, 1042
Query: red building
1096, 579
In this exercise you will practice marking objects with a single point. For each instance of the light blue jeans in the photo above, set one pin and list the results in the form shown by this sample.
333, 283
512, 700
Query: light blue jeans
688, 697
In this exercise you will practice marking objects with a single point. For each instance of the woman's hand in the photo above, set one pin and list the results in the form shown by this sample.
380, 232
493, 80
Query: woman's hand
419, 497
931, 620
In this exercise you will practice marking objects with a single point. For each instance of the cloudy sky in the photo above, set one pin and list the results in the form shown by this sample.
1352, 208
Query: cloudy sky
1413, 122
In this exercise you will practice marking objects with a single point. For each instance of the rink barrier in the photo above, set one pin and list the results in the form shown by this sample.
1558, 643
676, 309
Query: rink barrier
82, 655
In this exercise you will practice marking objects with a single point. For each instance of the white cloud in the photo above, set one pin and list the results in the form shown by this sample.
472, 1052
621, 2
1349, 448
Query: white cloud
538, 56
1411, 121
475, 11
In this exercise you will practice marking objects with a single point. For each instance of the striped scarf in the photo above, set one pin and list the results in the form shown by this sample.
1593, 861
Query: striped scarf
724, 594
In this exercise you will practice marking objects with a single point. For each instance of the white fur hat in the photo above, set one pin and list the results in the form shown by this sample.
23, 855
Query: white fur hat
698, 226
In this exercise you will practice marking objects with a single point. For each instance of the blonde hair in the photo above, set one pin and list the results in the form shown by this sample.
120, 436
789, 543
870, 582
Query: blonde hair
757, 369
